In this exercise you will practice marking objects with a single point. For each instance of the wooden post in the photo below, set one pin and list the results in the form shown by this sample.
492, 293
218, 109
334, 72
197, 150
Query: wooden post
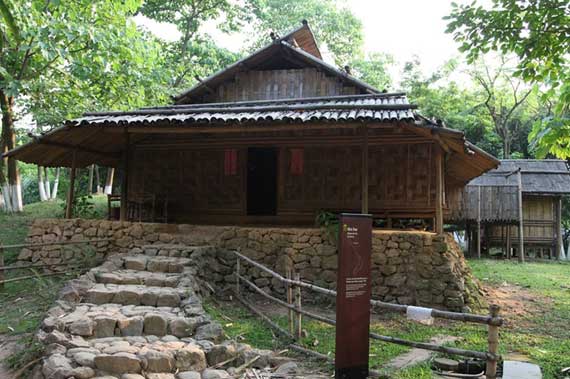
521, 233
237, 277
71, 191
479, 222
493, 340
509, 247
291, 314
298, 326
558, 228
364, 173
125, 181
438, 190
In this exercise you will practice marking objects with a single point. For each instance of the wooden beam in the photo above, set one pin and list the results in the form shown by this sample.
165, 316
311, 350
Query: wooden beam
509, 247
521, 231
438, 190
364, 172
125, 179
71, 191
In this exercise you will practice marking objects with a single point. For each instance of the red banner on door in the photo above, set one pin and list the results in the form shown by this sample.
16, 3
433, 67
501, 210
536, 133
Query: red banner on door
353, 297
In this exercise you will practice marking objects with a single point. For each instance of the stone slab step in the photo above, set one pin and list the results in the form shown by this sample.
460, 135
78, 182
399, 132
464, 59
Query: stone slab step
130, 294
154, 279
169, 250
142, 262
89, 320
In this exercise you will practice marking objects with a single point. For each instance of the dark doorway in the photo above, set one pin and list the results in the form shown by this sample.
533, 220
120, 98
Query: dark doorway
261, 181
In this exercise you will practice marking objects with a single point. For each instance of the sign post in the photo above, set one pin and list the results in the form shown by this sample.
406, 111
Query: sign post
353, 296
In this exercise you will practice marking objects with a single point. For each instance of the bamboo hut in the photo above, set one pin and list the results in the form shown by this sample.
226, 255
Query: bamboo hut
492, 204
274, 138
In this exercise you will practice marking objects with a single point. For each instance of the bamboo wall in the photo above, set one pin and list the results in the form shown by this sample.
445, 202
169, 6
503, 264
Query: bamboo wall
539, 222
191, 175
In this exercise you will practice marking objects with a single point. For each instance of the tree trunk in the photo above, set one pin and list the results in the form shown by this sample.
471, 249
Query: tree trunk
47, 184
41, 184
9, 137
109, 182
55, 184
4, 192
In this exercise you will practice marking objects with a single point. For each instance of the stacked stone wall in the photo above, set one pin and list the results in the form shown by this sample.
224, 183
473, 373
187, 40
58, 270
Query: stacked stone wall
408, 267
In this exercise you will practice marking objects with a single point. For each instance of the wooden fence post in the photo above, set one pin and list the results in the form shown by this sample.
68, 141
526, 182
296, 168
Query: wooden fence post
299, 327
493, 340
290, 302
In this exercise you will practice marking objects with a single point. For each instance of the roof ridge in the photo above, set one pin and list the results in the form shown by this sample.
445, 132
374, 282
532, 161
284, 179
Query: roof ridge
284, 100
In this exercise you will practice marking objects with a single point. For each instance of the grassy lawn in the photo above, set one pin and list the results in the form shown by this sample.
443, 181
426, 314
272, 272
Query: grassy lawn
541, 336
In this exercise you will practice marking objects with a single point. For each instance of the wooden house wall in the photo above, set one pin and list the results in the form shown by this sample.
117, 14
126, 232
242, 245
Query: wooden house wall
539, 220
279, 84
401, 180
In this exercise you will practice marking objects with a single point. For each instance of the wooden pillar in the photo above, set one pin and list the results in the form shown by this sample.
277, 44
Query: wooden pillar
71, 191
125, 181
509, 247
364, 173
479, 222
438, 190
521, 234
558, 228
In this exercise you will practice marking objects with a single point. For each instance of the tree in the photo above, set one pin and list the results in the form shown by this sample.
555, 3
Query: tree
47, 39
374, 70
538, 33
194, 54
504, 98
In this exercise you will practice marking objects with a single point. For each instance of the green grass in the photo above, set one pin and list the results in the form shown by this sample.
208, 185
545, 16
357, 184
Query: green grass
543, 337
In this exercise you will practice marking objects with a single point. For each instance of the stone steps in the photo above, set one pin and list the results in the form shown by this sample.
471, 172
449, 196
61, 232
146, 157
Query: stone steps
138, 316
155, 264
153, 279
130, 294
91, 320
169, 250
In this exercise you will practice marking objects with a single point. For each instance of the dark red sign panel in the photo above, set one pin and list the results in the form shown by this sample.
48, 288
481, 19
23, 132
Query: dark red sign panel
353, 297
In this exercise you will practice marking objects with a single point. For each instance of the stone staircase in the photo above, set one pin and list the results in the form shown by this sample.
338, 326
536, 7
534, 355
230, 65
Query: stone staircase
140, 316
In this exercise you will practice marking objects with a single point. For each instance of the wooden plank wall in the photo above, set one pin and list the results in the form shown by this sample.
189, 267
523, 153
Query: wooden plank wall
539, 220
401, 180
280, 84
498, 204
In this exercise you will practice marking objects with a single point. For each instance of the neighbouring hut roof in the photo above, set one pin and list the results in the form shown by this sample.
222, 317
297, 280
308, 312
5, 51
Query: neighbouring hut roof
496, 192
539, 176
99, 137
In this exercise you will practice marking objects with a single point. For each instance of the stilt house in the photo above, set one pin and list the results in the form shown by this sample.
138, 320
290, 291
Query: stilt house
492, 202
274, 138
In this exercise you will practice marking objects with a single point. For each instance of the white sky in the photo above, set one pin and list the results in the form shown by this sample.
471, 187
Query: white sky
401, 28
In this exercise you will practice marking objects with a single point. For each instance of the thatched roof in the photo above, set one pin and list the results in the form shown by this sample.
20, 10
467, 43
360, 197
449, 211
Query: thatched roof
539, 176
496, 192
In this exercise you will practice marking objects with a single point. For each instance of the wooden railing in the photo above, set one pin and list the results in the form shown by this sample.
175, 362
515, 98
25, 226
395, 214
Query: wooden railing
293, 303
3, 268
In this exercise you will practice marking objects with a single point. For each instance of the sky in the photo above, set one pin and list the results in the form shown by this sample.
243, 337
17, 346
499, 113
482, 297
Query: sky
401, 28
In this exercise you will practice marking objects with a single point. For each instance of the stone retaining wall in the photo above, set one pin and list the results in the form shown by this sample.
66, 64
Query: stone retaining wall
408, 267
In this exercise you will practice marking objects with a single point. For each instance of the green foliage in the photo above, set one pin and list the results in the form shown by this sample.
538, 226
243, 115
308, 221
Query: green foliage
330, 223
334, 26
374, 70
537, 32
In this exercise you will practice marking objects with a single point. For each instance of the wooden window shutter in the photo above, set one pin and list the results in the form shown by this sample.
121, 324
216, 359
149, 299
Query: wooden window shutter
230, 162
297, 161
